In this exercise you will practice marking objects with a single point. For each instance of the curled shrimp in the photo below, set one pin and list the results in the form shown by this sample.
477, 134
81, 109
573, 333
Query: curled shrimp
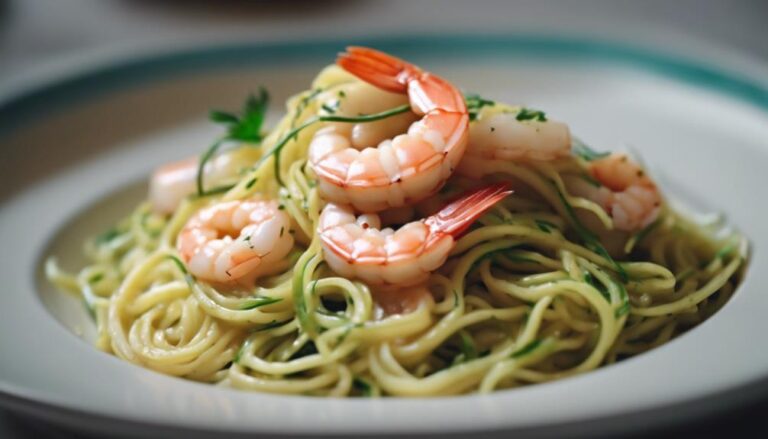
357, 247
628, 194
235, 240
503, 137
172, 182
406, 168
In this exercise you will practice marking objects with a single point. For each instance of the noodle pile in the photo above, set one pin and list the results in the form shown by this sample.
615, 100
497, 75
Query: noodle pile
524, 297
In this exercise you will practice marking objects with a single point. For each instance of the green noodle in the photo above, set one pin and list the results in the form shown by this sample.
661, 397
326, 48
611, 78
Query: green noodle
528, 295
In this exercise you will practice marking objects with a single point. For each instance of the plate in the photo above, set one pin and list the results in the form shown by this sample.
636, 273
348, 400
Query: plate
78, 147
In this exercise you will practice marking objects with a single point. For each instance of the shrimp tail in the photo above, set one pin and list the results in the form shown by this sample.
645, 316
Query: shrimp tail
455, 218
378, 68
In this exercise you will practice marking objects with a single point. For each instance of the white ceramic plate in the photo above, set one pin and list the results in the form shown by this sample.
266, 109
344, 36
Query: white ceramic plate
76, 149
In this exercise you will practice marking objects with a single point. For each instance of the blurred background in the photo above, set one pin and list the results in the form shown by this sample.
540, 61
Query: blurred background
38, 37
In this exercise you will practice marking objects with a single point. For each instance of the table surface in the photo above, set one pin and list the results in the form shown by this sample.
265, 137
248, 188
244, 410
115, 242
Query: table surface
35, 34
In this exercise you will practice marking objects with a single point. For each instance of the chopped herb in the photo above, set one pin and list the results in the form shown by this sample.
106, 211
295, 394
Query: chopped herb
587, 153
590, 240
527, 349
342, 94
530, 114
475, 103
330, 109
107, 236
251, 182
545, 226
363, 386
95, 278
725, 251
468, 348
588, 278
281, 207
259, 301
309, 348
282, 230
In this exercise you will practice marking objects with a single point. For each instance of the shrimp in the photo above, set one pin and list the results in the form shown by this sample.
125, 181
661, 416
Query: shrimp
172, 182
502, 137
235, 241
357, 247
406, 168
628, 194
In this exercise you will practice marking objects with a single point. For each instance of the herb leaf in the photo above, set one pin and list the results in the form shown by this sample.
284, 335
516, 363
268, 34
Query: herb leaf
475, 103
246, 128
531, 114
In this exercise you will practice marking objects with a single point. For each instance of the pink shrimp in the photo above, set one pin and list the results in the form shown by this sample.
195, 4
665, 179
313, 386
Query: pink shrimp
355, 247
408, 167
235, 241
628, 195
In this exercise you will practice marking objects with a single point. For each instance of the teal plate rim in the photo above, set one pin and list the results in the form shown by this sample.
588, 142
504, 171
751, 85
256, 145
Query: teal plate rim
20, 109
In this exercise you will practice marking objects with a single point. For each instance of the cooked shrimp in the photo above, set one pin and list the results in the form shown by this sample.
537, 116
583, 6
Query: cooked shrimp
357, 247
628, 194
235, 240
172, 182
406, 168
502, 137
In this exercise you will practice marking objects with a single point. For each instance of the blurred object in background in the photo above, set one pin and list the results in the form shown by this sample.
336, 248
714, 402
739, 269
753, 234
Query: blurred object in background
37, 30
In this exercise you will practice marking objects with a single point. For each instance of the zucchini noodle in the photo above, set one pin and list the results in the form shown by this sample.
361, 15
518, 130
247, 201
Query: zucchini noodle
529, 294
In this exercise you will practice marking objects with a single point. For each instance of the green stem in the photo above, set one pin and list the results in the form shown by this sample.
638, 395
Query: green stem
203, 160
330, 118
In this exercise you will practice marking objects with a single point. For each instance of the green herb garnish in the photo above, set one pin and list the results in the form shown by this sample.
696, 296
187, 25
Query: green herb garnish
545, 226
294, 133
475, 103
530, 114
307, 349
246, 128
107, 236
363, 386
527, 349
590, 240
585, 152
259, 301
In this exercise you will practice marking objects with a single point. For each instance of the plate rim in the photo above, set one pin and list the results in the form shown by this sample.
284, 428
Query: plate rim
679, 68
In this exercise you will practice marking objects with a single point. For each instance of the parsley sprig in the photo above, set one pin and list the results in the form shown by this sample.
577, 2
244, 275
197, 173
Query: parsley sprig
244, 128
